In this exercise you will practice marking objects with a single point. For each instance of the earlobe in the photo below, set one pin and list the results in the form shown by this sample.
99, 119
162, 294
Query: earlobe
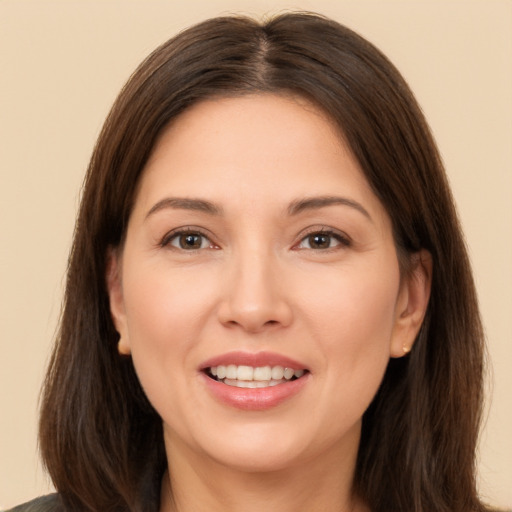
412, 303
123, 347
115, 293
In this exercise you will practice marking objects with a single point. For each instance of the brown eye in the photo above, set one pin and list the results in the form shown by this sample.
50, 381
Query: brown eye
322, 240
189, 241
319, 241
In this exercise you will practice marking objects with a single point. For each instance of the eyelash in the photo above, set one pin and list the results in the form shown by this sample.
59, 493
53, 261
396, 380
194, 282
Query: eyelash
343, 240
176, 234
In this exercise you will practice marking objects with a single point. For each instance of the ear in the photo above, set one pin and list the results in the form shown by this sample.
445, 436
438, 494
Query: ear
116, 299
412, 303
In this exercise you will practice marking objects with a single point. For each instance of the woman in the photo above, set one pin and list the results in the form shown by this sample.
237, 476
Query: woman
263, 306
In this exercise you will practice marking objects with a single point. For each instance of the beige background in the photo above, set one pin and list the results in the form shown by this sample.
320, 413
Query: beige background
61, 65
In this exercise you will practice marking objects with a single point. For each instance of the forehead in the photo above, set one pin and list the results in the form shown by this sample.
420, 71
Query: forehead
262, 148
263, 121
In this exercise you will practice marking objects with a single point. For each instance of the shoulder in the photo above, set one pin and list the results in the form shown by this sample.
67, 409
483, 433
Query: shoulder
50, 503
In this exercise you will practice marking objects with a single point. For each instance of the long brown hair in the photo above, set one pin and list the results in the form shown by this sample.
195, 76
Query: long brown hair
100, 438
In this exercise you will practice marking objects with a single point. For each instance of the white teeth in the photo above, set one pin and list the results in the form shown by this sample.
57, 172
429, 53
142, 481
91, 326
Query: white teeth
253, 383
288, 373
248, 376
245, 373
262, 373
277, 372
231, 371
221, 372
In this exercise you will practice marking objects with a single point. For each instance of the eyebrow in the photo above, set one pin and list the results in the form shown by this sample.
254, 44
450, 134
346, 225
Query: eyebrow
314, 203
182, 203
295, 207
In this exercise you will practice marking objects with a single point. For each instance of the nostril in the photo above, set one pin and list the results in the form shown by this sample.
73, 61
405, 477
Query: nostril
254, 306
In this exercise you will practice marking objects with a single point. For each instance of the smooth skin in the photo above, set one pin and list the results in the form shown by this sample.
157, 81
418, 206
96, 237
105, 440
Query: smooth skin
254, 229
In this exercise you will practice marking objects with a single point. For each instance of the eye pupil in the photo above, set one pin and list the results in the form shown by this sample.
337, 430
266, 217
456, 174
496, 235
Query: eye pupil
319, 241
190, 241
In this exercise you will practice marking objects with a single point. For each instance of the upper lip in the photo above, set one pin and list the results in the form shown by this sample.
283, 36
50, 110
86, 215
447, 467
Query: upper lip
256, 359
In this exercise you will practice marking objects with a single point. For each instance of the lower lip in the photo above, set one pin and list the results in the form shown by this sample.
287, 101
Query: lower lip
255, 399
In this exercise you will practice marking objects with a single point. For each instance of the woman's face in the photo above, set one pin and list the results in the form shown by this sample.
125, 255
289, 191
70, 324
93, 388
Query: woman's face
258, 290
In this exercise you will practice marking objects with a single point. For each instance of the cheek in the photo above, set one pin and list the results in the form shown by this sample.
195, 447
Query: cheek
164, 307
352, 317
354, 307
165, 314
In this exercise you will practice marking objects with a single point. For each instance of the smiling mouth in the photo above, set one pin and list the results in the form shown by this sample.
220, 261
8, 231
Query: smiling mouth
253, 377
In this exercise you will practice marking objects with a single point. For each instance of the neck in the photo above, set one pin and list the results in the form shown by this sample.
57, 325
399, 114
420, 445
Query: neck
196, 483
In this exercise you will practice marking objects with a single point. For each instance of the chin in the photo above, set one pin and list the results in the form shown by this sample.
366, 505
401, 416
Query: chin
270, 448
257, 447
270, 459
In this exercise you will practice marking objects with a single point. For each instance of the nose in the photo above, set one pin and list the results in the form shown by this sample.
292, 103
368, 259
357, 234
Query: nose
254, 297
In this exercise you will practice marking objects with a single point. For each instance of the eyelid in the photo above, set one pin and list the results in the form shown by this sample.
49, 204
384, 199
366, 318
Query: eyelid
184, 230
340, 236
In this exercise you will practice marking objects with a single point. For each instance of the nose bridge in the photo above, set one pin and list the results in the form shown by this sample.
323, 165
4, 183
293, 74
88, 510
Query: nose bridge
254, 297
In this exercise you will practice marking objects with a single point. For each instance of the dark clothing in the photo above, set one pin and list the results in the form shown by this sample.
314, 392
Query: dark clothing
50, 503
